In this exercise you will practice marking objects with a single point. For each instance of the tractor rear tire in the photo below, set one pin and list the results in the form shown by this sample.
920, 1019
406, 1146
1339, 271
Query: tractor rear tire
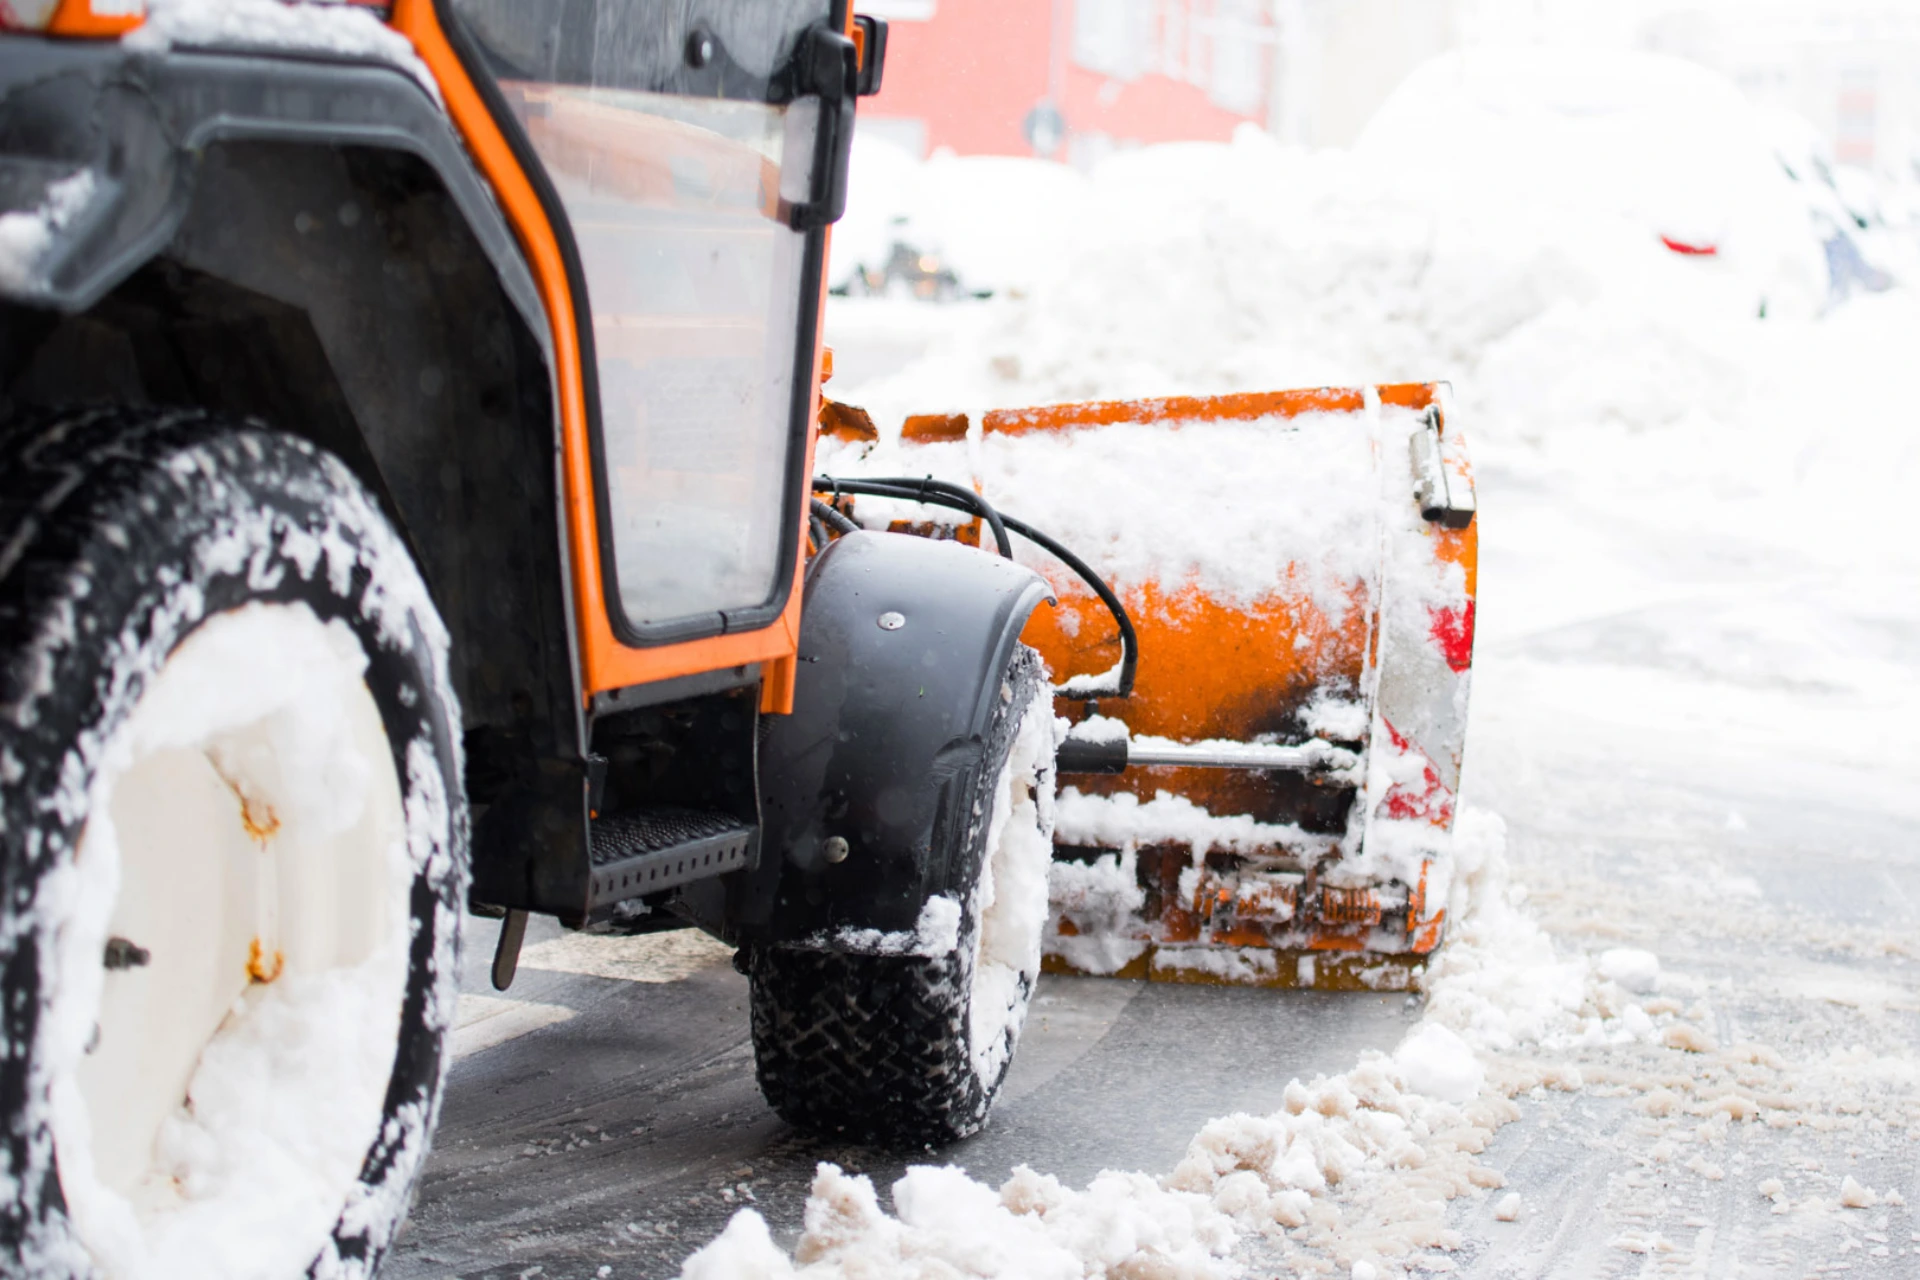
233, 853
906, 1051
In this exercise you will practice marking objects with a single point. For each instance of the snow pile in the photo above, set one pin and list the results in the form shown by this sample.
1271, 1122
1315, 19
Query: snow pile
954, 210
946, 1224
310, 26
1357, 1167
26, 237
1663, 146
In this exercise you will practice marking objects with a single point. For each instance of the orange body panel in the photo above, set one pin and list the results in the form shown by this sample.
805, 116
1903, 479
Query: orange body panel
605, 662
76, 18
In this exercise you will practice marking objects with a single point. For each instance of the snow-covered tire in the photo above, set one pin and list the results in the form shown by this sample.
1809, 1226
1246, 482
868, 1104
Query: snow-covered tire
188, 604
909, 1050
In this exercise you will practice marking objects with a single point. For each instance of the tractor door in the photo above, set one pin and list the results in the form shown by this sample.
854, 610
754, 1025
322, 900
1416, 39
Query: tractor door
692, 154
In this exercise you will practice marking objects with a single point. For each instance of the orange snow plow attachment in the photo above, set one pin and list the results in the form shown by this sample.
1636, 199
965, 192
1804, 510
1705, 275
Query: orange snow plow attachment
1271, 801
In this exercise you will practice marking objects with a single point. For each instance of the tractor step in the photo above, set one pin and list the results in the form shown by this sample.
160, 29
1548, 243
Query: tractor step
644, 851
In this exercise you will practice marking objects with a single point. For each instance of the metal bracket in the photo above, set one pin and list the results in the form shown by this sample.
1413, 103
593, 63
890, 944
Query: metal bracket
1431, 483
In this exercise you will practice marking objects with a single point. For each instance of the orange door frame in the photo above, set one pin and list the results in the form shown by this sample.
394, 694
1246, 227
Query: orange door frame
605, 662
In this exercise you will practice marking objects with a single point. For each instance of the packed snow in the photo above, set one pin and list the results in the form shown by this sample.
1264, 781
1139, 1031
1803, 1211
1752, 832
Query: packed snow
1671, 1030
329, 27
26, 237
1010, 900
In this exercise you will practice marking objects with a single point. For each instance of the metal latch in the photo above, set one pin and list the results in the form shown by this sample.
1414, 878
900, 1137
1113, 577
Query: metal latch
1442, 501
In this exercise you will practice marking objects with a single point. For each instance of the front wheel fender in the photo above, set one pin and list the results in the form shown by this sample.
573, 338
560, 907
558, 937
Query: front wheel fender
903, 643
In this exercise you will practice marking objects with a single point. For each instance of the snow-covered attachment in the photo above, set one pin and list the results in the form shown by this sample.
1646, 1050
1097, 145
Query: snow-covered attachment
1272, 802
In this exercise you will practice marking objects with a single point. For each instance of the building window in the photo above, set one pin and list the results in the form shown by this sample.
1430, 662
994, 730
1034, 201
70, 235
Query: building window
1113, 37
1242, 46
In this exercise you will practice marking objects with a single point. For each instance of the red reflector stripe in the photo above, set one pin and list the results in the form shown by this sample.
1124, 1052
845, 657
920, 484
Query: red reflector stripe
1691, 250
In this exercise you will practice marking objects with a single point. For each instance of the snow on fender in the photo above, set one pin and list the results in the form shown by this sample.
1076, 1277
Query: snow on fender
1439, 1064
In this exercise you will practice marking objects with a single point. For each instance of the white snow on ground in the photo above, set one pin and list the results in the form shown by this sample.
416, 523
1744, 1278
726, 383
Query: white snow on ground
309, 26
1695, 698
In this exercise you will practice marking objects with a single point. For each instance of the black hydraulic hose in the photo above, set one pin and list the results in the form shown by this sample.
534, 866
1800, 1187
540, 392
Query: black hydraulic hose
940, 494
929, 491
832, 516
1129, 641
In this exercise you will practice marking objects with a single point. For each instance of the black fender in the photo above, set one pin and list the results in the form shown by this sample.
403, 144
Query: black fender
139, 123
903, 644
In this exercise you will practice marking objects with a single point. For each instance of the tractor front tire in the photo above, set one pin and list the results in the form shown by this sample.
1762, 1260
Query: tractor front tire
909, 1050
233, 844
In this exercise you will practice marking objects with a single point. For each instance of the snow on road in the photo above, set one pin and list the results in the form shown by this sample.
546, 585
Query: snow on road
1674, 1028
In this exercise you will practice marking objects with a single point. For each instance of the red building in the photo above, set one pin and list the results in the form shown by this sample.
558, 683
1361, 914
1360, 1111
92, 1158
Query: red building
1071, 79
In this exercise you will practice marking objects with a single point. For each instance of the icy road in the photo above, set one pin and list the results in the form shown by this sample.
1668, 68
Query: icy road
1676, 1028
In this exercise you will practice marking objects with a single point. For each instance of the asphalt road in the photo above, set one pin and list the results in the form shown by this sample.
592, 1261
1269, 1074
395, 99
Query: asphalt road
609, 1122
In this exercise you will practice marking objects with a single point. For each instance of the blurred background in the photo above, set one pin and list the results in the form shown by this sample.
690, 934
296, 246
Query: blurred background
975, 160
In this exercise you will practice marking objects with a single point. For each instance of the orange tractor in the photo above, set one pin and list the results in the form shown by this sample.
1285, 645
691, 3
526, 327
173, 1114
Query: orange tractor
416, 500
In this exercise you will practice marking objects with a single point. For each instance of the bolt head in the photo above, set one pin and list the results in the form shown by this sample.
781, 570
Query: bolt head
891, 621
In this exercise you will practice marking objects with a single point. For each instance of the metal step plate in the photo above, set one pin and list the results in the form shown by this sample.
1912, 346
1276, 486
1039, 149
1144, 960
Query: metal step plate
648, 850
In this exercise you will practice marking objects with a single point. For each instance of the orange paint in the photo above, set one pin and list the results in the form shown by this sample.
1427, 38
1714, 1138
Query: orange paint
922, 428
76, 19
1173, 410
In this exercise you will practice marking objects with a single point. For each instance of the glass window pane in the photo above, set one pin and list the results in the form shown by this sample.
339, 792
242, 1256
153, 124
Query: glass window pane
694, 284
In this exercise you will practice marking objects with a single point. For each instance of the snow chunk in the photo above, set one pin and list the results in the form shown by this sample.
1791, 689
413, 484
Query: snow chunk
1439, 1063
744, 1251
935, 933
26, 237
1123, 820
1632, 968
1508, 1210
1853, 1195
1684, 1035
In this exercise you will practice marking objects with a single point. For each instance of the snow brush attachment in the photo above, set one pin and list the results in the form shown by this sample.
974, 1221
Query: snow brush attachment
1291, 577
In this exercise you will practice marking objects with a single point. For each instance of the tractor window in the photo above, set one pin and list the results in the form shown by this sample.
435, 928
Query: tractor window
673, 137
695, 288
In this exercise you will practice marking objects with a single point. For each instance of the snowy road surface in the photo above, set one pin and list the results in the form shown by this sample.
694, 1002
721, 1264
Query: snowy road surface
595, 1120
